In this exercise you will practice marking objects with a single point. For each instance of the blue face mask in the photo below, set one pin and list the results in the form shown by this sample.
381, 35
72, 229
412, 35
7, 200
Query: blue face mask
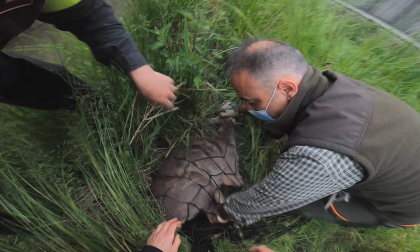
262, 114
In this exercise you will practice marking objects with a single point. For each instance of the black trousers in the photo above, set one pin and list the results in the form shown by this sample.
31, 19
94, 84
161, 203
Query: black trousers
36, 84
353, 213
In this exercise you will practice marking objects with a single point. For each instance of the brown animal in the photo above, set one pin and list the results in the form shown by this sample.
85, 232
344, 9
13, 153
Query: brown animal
190, 180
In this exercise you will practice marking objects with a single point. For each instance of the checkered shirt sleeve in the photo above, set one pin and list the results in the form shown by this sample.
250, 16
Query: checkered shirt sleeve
300, 176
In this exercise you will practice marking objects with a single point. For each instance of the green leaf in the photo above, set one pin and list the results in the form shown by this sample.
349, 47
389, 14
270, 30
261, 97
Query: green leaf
194, 26
199, 48
213, 76
197, 81
219, 37
187, 14
165, 53
215, 53
171, 63
158, 45
163, 32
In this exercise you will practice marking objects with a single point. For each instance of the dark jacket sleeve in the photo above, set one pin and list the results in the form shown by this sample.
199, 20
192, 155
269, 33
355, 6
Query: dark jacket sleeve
148, 248
93, 22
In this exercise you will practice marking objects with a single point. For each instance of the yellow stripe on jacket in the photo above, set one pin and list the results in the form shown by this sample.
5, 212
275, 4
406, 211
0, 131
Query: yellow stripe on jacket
58, 5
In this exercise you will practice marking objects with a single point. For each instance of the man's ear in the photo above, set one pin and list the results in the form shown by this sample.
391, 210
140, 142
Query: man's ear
289, 87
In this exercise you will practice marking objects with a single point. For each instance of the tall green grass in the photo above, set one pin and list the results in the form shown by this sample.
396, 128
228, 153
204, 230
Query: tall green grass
79, 181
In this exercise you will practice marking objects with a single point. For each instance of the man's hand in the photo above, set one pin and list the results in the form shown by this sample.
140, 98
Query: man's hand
155, 87
261, 248
164, 237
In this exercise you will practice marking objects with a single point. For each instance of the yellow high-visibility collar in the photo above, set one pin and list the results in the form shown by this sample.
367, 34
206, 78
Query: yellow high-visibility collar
58, 5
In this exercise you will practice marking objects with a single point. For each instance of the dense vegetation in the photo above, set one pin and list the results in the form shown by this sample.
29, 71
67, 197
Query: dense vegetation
79, 181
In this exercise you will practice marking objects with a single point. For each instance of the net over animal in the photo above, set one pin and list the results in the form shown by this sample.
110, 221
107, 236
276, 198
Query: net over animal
190, 180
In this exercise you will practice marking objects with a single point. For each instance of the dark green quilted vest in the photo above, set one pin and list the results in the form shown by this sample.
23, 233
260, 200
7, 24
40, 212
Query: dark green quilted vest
381, 132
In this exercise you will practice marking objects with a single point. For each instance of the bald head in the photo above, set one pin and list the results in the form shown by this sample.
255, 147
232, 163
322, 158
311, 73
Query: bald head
267, 59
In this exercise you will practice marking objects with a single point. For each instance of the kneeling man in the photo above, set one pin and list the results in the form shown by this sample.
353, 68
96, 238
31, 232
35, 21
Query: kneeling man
353, 151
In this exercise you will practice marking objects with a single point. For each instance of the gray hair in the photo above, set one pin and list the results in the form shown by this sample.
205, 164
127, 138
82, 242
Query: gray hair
273, 58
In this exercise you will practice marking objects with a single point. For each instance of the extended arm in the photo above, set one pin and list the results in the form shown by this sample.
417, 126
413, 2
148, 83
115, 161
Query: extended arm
301, 176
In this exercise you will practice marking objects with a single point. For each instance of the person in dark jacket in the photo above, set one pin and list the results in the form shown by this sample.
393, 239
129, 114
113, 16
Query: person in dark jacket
352, 154
39, 85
